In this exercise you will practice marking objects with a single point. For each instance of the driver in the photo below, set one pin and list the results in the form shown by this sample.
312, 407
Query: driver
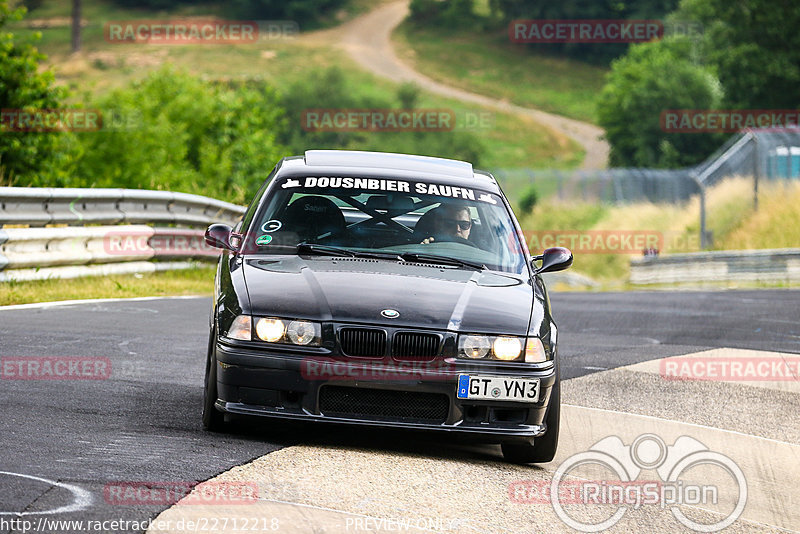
452, 220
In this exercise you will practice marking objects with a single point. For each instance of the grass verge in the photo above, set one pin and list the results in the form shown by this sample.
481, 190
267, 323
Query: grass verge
509, 141
199, 281
730, 216
487, 63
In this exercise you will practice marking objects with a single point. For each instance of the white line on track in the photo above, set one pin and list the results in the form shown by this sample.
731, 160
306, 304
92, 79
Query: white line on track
82, 499
37, 305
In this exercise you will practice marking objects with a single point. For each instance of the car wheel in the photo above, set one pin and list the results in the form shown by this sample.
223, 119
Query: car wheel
544, 448
213, 419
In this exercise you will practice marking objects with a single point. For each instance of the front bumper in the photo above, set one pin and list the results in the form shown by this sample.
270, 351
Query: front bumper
279, 385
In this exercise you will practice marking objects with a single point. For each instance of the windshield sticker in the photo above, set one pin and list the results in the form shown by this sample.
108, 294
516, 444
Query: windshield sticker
271, 226
381, 184
264, 240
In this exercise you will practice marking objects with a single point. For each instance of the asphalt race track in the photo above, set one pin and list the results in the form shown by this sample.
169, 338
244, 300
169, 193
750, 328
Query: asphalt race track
75, 437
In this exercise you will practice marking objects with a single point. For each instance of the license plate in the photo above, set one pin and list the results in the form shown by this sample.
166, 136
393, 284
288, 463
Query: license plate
498, 388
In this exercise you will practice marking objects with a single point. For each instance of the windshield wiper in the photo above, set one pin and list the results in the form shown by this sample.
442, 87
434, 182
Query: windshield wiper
324, 250
441, 260
377, 255
328, 250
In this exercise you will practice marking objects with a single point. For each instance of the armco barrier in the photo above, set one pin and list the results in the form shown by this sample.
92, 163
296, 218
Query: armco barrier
29, 250
79, 206
770, 265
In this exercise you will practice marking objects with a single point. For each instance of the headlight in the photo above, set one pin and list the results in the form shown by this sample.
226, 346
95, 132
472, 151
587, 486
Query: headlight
270, 329
506, 348
534, 351
475, 346
303, 333
240, 328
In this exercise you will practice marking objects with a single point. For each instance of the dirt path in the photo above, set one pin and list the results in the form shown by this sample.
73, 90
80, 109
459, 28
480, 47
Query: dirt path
368, 40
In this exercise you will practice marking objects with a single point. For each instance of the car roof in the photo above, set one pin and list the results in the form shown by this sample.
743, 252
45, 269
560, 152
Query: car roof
357, 162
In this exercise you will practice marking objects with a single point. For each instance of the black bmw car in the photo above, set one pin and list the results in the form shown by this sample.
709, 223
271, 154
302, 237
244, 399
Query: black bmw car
387, 290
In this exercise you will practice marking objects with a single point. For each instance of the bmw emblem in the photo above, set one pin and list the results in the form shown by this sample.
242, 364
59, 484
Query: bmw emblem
390, 314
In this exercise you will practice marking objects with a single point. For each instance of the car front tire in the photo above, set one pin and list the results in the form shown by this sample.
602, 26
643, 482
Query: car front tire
213, 419
543, 449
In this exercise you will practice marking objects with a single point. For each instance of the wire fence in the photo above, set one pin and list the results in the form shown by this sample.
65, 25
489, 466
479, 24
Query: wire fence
764, 155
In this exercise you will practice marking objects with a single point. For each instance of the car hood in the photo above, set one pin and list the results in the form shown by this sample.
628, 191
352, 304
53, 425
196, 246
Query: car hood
356, 290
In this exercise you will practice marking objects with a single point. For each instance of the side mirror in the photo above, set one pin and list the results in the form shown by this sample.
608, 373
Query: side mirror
219, 236
553, 260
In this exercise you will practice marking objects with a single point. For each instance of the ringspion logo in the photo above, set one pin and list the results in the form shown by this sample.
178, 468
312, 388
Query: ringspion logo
689, 474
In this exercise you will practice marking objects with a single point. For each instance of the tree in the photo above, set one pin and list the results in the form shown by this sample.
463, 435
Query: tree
76, 25
179, 133
601, 53
307, 13
754, 46
651, 78
27, 158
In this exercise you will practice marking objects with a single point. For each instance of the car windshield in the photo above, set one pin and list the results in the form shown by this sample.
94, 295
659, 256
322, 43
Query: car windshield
412, 220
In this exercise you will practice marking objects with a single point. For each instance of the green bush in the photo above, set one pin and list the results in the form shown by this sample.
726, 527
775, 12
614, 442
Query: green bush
528, 200
307, 13
408, 95
447, 13
330, 90
651, 78
183, 134
28, 158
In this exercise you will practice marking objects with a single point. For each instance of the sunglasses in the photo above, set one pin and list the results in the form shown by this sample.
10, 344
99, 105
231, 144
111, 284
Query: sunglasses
463, 225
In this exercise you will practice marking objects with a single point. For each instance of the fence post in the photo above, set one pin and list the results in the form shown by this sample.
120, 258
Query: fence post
703, 243
755, 172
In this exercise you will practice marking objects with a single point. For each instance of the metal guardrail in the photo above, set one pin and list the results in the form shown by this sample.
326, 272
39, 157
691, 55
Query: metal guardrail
36, 252
769, 265
79, 206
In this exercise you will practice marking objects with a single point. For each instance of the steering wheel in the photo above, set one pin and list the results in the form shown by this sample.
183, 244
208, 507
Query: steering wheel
443, 238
